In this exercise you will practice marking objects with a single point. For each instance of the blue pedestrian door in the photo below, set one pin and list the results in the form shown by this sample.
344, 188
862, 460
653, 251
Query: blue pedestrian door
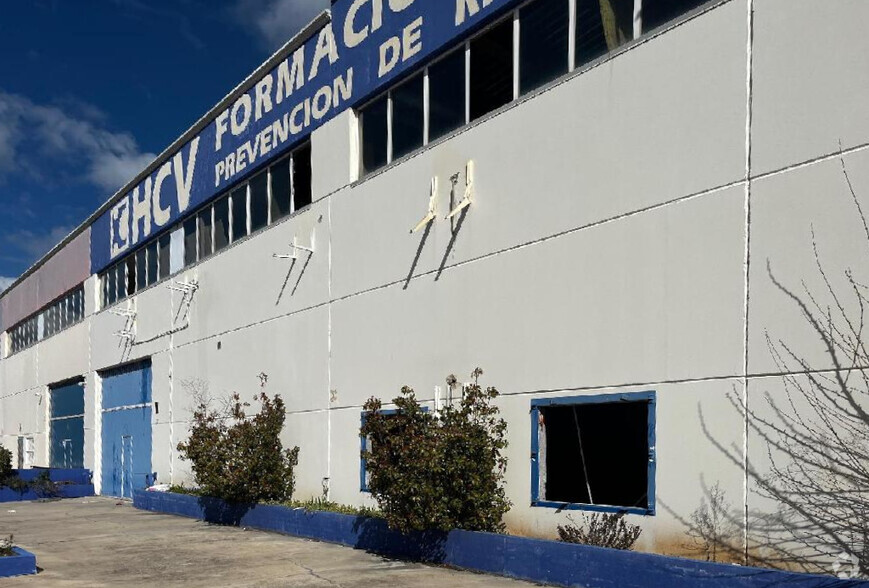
126, 429
66, 425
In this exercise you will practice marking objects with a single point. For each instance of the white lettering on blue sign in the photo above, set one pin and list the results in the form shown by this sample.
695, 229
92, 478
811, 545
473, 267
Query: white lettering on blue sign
377, 41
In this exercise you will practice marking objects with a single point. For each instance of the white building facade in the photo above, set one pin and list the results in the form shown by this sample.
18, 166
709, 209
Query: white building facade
582, 197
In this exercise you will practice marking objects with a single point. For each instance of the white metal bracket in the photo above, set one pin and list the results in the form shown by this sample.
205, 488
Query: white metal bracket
128, 335
188, 289
294, 249
469, 191
128, 331
185, 287
432, 205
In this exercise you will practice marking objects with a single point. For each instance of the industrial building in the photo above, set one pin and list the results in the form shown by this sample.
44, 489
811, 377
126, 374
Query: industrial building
582, 197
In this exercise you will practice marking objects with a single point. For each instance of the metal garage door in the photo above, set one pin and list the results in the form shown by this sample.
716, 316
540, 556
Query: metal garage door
126, 429
66, 425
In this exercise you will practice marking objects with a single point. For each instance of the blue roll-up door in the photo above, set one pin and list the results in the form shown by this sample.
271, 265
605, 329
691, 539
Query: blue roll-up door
66, 425
126, 429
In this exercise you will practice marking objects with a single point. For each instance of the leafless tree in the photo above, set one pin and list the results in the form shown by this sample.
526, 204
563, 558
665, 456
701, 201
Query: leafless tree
815, 434
712, 527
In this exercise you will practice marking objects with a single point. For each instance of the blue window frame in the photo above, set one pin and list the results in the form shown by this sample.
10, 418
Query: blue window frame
615, 453
363, 472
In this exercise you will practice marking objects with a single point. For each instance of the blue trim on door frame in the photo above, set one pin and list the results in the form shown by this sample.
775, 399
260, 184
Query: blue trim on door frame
649, 396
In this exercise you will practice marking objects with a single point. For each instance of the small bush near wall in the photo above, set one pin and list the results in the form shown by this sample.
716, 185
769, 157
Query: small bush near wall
240, 458
438, 472
5, 463
6, 547
601, 530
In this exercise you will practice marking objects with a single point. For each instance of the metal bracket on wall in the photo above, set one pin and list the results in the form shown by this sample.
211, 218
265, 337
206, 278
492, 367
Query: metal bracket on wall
469, 190
432, 206
186, 287
127, 335
128, 332
294, 250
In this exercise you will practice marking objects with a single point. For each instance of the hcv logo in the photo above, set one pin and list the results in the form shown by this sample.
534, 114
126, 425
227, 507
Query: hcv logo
120, 227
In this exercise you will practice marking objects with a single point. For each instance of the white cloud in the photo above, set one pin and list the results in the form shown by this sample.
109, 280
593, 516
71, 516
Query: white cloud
111, 169
275, 22
42, 140
5, 282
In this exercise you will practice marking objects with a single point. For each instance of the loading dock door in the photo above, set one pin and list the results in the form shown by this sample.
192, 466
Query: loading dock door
126, 430
66, 425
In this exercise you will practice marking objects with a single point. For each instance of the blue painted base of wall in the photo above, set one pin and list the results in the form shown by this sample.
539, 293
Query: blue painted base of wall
74, 483
549, 562
18, 565
64, 491
71, 476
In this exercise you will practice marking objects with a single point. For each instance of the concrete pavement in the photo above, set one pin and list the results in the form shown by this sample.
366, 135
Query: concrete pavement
95, 542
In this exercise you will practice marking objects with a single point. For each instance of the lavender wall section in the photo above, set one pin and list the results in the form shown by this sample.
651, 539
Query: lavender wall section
68, 268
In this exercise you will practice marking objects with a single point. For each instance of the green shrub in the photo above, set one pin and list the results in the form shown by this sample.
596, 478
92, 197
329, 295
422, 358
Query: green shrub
240, 458
438, 472
6, 544
324, 505
44, 486
5, 463
17, 484
601, 530
182, 489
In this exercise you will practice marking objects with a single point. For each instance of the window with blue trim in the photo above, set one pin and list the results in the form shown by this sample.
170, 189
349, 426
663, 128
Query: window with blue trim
594, 453
366, 443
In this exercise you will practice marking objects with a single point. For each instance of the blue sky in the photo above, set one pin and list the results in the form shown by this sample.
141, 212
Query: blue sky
91, 90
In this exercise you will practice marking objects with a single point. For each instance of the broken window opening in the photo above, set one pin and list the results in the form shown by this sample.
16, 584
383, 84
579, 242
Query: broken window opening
596, 451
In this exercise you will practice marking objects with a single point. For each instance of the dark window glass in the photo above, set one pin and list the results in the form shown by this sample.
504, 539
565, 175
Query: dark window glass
446, 91
280, 177
190, 241
543, 40
141, 276
602, 26
58, 313
165, 245
259, 202
77, 305
221, 223
583, 446
302, 177
492, 69
658, 12
111, 288
126, 278
408, 117
239, 213
204, 233
372, 124
153, 262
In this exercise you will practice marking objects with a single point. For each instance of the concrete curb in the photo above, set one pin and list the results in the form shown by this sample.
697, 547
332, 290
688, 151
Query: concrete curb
18, 565
549, 562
